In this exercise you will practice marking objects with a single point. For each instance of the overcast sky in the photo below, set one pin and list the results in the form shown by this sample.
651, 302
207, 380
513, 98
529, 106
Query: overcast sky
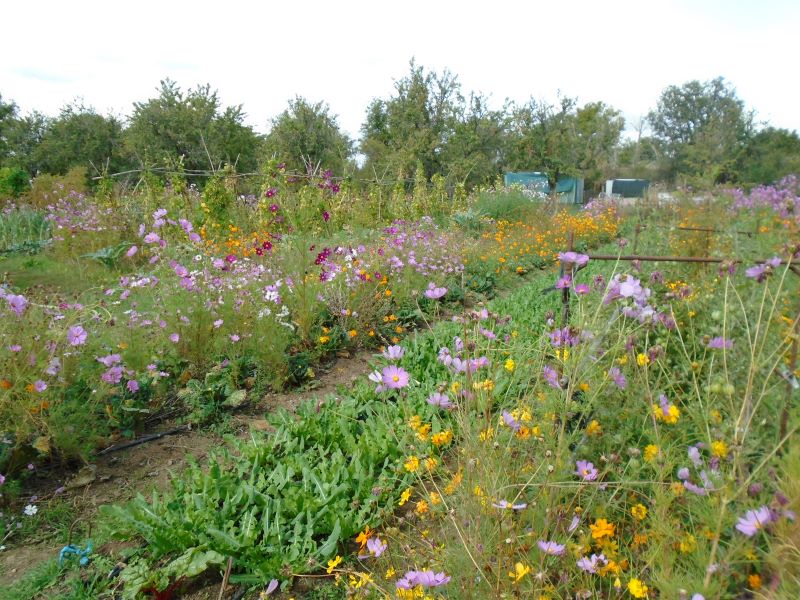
261, 54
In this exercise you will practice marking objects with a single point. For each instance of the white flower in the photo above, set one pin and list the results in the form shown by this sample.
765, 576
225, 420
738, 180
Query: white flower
31, 509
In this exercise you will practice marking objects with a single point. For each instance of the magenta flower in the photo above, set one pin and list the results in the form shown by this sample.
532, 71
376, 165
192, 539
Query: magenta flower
719, 343
754, 520
2, 479
326, 216
76, 335
394, 352
550, 547
440, 400
565, 282
393, 377
586, 470
152, 238
15, 347
133, 386
581, 289
113, 375
174, 338
504, 504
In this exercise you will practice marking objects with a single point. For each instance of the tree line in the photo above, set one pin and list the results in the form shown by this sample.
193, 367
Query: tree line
700, 133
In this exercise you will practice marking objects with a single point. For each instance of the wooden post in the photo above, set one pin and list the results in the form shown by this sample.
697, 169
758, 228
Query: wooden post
566, 291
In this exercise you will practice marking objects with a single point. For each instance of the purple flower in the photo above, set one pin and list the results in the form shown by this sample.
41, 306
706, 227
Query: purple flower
131, 251
550, 547
76, 335
39, 386
683, 473
234, 337
573, 258
510, 421
440, 400
2, 479
758, 272
110, 360
273, 585
394, 352
695, 489
581, 289
618, 378
18, 303
15, 347
133, 386
152, 238
393, 377
551, 377
590, 564
503, 504
174, 338
433, 292
576, 520
754, 520
719, 343
112, 375
585, 470
564, 282
424, 578
376, 546
326, 216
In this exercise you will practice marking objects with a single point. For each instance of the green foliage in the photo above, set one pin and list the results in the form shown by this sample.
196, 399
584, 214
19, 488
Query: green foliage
222, 387
23, 230
769, 155
307, 138
192, 125
13, 181
705, 127
283, 501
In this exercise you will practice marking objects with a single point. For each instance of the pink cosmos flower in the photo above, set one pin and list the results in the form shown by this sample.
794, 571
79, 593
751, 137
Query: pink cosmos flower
133, 386
174, 338
551, 377
394, 352
440, 400
618, 378
719, 343
573, 258
76, 335
39, 386
18, 303
550, 547
424, 578
433, 292
110, 360
394, 377
510, 421
590, 564
581, 289
503, 504
585, 470
754, 520
131, 251
375, 547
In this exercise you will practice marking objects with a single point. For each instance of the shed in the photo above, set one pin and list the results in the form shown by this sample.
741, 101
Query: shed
569, 189
627, 188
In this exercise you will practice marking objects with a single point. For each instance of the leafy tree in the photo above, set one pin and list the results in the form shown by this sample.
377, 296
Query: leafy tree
306, 134
194, 126
8, 113
543, 137
597, 132
79, 136
769, 155
473, 152
412, 125
23, 136
704, 127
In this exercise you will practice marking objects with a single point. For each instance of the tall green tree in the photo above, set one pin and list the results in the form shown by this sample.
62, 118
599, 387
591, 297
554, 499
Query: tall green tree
704, 127
597, 129
80, 137
413, 124
769, 155
192, 125
306, 135
8, 114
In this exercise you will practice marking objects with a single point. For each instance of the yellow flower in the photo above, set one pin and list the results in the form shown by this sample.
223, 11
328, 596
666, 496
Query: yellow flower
411, 464
688, 544
642, 359
430, 463
601, 528
442, 438
486, 434
584, 387
651, 452
594, 428
332, 564
422, 507
719, 448
623, 360
352, 333
390, 572
519, 572
435, 498
364, 536
639, 511
754, 581
637, 588
404, 497
324, 339
509, 365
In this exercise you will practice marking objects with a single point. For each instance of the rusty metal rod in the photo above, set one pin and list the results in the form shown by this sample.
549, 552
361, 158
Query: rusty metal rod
690, 259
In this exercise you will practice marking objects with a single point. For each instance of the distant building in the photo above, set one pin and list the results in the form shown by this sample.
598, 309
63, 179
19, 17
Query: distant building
627, 188
569, 189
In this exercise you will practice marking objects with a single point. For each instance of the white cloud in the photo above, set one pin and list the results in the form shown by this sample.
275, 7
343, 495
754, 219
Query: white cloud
261, 54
